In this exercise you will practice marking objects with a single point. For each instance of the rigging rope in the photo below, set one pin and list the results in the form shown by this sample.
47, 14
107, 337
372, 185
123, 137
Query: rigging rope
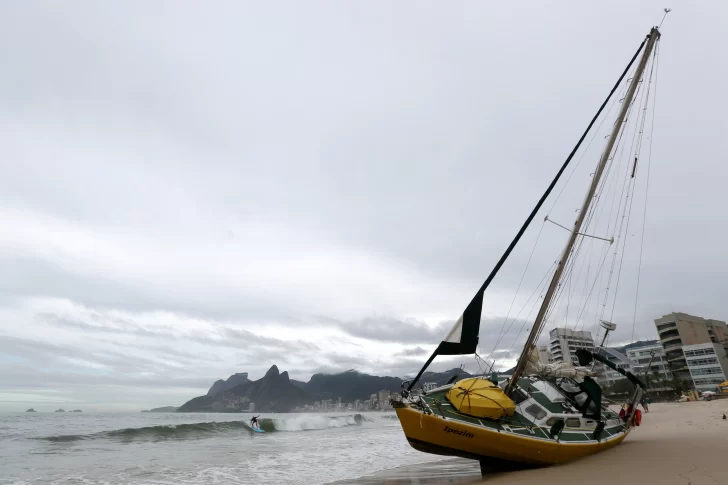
619, 208
573, 257
628, 201
570, 258
515, 295
655, 67
578, 162
638, 144
539, 289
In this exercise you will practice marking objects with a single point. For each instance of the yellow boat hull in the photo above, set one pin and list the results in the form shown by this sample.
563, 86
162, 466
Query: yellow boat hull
433, 434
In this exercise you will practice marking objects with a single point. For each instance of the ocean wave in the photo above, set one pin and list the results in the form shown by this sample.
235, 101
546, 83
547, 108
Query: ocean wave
167, 431
308, 422
301, 422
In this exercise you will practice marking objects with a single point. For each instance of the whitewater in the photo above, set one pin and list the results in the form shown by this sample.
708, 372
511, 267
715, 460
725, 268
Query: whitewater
197, 448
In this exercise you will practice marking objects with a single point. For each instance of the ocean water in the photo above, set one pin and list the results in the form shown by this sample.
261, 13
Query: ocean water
187, 448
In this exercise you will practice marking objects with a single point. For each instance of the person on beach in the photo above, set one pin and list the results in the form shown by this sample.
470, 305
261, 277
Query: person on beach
646, 403
625, 414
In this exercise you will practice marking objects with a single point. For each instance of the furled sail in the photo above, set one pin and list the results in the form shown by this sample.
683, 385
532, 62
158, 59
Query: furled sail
557, 369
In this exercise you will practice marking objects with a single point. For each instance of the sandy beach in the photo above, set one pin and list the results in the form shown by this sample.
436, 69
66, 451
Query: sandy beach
677, 444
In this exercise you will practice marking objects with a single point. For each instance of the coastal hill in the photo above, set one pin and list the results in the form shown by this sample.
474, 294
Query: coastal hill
234, 380
351, 385
163, 409
277, 392
274, 392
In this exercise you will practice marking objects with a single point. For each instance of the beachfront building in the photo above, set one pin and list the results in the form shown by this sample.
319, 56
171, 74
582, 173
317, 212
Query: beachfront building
680, 330
563, 344
428, 386
384, 399
654, 356
544, 356
606, 376
707, 364
635, 358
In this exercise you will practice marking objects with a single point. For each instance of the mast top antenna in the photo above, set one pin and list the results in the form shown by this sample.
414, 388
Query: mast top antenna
667, 11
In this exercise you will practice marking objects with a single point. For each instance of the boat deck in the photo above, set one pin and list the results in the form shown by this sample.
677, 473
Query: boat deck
439, 404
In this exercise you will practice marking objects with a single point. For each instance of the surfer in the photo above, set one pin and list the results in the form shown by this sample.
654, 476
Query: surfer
254, 423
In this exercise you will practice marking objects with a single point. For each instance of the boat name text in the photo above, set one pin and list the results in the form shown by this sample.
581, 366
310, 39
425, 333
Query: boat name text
457, 431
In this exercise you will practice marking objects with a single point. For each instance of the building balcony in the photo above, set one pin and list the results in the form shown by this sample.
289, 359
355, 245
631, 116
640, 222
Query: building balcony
670, 338
669, 333
666, 326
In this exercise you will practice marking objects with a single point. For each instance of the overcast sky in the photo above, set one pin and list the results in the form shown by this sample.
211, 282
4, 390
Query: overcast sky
189, 190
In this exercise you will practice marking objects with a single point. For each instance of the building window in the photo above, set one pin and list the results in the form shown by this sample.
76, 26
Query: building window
693, 353
708, 361
709, 370
707, 381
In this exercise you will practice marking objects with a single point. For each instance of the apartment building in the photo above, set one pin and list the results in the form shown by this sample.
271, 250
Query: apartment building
606, 376
708, 365
544, 357
563, 344
678, 331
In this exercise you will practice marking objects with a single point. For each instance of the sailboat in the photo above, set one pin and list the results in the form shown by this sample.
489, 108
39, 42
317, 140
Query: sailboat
542, 414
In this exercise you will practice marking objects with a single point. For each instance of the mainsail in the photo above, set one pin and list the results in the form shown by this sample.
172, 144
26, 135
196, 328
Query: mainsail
462, 339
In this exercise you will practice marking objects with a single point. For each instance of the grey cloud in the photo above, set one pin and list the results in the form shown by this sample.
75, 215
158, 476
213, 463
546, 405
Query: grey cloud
229, 336
165, 350
22, 377
411, 352
373, 134
64, 356
390, 329
118, 326
495, 333
24, 277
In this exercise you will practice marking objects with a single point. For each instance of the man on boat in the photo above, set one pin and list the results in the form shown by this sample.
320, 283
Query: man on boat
625, 414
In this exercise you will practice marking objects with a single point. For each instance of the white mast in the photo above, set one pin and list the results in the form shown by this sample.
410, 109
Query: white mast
553, 286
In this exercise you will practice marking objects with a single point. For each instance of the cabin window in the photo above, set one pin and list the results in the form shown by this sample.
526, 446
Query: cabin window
536, 411
518, 396
573, 422
550, 391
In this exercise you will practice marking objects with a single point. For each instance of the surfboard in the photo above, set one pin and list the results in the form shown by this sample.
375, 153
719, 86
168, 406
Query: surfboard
257, 430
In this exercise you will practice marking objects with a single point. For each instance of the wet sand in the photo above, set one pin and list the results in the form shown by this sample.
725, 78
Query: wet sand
448, 472
677, 444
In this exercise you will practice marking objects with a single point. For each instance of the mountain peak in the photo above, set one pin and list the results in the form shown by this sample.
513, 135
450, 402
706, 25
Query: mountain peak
273, 372
272, 392
234, 380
